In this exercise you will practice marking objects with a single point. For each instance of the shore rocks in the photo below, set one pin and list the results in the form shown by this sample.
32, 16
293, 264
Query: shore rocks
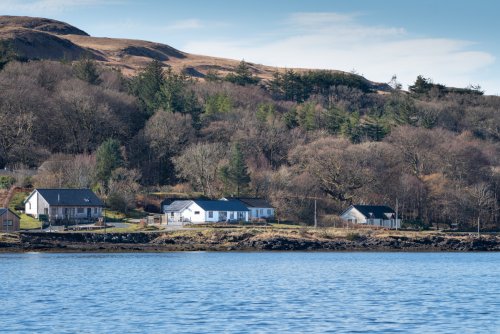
242, 240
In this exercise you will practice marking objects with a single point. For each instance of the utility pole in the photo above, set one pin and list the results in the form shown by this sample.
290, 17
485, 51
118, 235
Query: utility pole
315, 216
396, 214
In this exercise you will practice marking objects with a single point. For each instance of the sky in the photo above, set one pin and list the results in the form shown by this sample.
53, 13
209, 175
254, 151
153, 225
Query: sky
455, 43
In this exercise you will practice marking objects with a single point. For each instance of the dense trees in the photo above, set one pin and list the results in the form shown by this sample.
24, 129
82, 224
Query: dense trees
318, 134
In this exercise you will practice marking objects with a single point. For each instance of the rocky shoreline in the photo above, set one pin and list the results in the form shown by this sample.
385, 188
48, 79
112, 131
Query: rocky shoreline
244, 240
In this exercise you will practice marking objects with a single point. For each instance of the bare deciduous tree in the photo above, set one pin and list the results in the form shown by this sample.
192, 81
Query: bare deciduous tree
200, 165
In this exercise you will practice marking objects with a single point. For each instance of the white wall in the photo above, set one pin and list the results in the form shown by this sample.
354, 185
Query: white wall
190, 213
35, 205
31, 207
261, 213
357, 217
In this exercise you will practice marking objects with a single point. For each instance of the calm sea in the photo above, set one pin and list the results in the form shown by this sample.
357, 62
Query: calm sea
250, 293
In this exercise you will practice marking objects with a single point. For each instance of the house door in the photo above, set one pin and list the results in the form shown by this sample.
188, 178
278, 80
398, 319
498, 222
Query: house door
66, 213
222, 216
89, 213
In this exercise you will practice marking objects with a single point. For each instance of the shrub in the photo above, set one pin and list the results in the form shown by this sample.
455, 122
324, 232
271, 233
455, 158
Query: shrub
6, 181
353, 236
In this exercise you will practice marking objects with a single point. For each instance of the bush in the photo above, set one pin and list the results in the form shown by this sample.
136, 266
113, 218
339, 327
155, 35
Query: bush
353, 236
117, 202
6, 181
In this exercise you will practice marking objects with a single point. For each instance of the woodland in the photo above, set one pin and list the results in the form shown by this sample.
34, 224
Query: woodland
300, 137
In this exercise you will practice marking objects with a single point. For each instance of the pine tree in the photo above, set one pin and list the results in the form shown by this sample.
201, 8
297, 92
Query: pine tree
242, 76
108, 158
147, 86
7, 53
86, 70
235, 174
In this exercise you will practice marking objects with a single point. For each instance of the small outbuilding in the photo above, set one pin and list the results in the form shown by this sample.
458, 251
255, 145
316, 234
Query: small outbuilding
9, 220
376, 215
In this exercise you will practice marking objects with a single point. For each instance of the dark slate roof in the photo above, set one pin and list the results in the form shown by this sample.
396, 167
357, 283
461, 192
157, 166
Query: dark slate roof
374, 211
229, 205
178, 205
70, 197
255, 202
4, 210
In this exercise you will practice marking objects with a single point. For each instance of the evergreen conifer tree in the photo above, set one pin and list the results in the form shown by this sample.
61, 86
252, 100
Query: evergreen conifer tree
235, 174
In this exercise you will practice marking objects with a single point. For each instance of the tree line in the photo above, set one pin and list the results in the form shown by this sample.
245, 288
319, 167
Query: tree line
315, 134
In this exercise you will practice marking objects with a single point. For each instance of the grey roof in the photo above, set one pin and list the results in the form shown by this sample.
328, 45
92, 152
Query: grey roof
255, 202
70, 197
229, 205
4, 210
178, 205
374, 211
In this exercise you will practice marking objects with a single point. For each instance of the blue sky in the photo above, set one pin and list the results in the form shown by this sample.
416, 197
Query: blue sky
452, 42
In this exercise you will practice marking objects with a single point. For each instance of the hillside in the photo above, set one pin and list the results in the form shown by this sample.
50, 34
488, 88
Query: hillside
40, 38
299, 135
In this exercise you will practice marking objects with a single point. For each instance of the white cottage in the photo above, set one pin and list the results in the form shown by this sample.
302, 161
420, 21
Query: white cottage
63, 204
259, 207
204, 211
377, 215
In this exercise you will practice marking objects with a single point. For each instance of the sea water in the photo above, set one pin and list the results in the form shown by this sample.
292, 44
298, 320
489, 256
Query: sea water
259, 292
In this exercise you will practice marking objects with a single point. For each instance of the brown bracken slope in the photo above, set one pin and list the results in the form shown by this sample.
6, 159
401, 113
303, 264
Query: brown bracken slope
40, 38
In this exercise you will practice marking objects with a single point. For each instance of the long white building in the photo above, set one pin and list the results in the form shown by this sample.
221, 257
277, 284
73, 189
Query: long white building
205, 211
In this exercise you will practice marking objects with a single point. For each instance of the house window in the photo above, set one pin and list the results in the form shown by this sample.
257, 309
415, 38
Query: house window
210, 214
80, 210
95, 210
261, 212
269, 212
53, 211
171, 214
8, 223
29, 205
197, 212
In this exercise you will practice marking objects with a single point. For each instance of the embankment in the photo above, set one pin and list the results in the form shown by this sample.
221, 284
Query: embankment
247, 240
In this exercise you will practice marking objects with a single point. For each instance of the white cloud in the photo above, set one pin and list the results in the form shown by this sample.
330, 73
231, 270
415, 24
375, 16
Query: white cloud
341, 41
48, 7
187, 24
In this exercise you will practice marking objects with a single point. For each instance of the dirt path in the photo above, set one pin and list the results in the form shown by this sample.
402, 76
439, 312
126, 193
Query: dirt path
6, 197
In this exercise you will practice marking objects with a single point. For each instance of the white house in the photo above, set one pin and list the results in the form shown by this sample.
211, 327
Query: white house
201, 211
259, 207
377, 215
63, 204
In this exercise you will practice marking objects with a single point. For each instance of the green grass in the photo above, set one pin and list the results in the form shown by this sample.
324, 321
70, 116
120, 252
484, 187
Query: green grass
17, 200
276, 225
130, 228
136, 214
115, 216
29, 223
